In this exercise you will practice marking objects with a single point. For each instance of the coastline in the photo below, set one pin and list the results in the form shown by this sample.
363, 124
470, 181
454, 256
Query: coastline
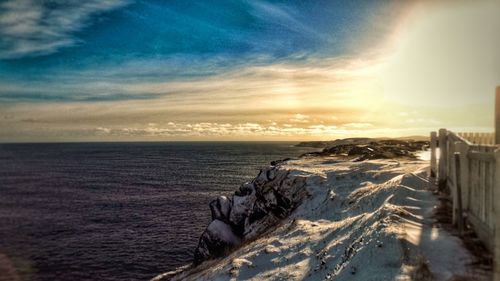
359, 218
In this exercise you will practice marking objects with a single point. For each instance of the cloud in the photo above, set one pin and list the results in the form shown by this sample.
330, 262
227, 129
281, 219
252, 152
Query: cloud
358, 125
285, 17
299, 118
211, 129
103, 130
33, 28
285, 82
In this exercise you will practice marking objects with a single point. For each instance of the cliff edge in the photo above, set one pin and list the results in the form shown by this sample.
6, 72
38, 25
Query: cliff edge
329, 216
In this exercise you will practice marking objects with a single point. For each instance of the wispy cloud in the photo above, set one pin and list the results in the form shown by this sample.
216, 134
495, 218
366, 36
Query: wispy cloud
286, 82
30, 27
285, 17
358, 125
211, 129
299, 118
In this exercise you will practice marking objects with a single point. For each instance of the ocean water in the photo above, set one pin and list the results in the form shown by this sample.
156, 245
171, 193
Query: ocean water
115, 211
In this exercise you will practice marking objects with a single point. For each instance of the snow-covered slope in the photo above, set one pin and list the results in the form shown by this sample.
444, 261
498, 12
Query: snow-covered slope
367, 220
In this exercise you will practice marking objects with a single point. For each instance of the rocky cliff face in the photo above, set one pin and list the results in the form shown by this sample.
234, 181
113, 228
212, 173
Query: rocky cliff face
256, 206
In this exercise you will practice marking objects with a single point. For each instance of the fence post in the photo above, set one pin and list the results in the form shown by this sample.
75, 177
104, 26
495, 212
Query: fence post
451, 181
497, 116
443, 156
463, 150
457, 201
496, 213
433, 154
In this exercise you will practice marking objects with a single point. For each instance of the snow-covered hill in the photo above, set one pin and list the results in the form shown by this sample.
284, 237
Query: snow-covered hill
345, 220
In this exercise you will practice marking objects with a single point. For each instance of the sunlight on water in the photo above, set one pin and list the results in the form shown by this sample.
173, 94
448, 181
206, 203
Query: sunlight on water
115, 211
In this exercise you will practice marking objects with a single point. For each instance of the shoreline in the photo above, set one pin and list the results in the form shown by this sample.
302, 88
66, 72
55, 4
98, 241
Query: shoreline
329, 180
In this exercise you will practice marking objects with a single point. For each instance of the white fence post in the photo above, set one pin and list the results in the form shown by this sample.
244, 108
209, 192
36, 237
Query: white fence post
458, 208
496, 213
443, 157
433, 154
497, 116
463, 149
451, 181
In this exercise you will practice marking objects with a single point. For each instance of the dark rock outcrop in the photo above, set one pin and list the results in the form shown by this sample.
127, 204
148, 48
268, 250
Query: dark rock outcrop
220, 208
366, 149
216, 240
253, 209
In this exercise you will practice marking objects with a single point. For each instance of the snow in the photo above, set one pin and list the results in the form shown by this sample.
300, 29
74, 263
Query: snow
369, 220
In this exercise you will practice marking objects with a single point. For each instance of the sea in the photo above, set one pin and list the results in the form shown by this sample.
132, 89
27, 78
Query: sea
115, 211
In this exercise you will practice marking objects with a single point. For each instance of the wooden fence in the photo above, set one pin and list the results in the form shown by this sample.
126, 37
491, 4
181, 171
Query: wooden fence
478, 138
469, 172
469, 168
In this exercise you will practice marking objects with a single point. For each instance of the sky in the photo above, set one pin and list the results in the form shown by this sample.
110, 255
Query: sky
125, 70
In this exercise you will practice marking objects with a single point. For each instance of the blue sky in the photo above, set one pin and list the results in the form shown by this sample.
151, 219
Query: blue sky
167, 40
121, 30
124, 69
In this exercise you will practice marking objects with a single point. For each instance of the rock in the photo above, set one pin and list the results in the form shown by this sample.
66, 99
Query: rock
261, 179
364, 149
283, 205
215, 241
255, 207
240, 210
245, 189
220, 208
277, 162
259, 211
271, 174
269, 200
